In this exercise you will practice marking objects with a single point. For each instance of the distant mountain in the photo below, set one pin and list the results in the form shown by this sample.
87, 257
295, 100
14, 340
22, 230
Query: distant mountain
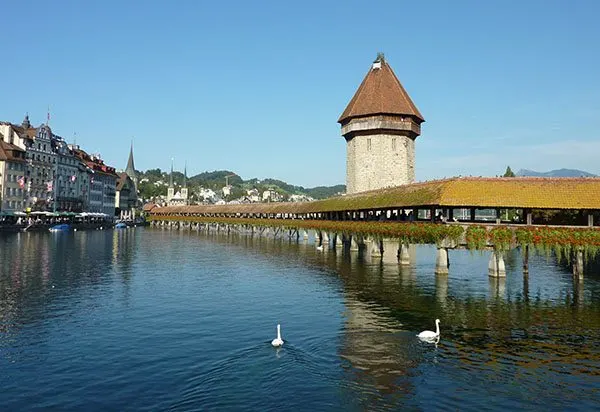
556, 173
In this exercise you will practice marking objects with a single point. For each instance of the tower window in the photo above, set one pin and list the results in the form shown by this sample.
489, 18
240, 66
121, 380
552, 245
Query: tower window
368, 144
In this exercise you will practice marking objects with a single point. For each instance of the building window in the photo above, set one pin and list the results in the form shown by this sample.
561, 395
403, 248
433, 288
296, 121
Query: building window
369, 144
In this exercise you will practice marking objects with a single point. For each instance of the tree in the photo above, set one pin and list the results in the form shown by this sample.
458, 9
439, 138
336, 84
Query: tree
509, 172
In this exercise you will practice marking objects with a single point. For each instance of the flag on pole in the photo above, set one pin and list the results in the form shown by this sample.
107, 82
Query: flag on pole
48, 118
73, 178
49, 186
21, 181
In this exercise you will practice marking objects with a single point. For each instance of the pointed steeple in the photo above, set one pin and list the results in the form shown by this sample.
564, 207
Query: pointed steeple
380, 93
185, 175
130, 169
130, 166
184, 189
171, 175
26, 124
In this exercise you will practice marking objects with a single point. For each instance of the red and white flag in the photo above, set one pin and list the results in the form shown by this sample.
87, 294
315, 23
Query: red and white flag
73, 178
21, 181
49, 186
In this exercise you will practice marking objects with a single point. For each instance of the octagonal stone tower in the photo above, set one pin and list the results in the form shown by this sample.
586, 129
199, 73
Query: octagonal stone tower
380, 125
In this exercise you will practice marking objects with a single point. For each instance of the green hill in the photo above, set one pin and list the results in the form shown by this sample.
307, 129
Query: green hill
154, 182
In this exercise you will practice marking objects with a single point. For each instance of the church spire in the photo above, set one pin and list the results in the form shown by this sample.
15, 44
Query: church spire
185, 175
130, 169
26, 124
171, 175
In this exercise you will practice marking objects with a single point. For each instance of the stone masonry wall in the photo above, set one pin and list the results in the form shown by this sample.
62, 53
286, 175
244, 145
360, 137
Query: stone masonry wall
378, 161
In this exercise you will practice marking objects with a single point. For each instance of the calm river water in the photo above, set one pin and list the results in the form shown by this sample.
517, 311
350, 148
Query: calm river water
151, 319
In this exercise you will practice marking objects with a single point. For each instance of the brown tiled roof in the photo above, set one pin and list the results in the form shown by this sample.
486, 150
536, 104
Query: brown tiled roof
26, 133
148, 207
121, 180
503, 192
380, 93
7, 151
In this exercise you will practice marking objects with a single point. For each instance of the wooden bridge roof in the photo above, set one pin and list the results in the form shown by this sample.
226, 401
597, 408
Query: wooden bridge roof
503, 192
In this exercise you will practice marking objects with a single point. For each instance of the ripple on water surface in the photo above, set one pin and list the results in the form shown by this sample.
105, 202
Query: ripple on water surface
169, 320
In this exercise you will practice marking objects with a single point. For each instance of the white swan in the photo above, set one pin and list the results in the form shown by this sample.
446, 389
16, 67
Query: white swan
320, 247
430, 335
277, 342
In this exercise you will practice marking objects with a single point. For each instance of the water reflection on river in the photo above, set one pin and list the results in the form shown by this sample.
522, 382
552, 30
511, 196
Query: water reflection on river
159, 319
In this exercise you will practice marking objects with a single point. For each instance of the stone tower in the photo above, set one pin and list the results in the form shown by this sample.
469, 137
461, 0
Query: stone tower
380, 125
171, 188
184, 189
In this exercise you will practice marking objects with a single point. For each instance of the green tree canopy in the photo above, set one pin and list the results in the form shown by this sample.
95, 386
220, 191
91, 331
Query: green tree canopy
509, 172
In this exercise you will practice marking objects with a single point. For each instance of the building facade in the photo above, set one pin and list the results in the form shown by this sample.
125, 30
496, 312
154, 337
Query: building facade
380, 125
71, 179
126, 200
101, 184
40, 171
12, 177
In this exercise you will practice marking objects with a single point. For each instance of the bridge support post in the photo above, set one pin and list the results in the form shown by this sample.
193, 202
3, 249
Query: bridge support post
317, 238
390, 250
325, 240
304, 234
526, 260
338, 240
441, 261
354, 247
404, 255
578, 264
496, 267
374, 245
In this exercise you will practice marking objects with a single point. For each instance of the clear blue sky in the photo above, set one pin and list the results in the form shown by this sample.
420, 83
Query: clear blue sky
257, 87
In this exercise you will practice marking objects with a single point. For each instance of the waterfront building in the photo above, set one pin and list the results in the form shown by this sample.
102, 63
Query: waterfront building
41, 165
126, 195
56, 176
71, 180
380, 125
126, 200
102, 183
12, 177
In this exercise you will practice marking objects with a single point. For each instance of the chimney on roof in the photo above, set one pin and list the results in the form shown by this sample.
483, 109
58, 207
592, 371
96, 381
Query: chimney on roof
377, 63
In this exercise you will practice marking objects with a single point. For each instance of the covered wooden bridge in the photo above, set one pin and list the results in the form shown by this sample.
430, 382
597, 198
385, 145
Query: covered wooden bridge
526, 200
389, 219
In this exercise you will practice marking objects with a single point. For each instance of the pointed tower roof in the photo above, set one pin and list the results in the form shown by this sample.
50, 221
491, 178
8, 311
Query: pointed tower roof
185, 175
26, 124
380, 93
130, 169
171, 175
